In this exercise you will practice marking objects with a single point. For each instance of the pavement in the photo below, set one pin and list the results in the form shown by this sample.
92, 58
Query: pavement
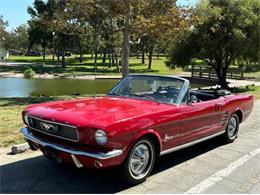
208, 167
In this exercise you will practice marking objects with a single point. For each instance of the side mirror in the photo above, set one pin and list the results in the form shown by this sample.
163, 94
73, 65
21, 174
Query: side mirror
193, 99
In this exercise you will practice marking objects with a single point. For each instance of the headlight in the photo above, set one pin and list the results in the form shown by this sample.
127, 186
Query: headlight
101, 137
26, 119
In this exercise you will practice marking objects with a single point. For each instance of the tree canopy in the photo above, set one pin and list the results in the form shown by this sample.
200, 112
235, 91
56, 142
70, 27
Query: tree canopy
3, 32
110, 26
225, 32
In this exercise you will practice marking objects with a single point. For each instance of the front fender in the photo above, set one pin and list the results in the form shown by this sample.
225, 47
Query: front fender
144, 133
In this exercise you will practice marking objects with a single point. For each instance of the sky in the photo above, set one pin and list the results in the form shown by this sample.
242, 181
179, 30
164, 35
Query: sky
15, 11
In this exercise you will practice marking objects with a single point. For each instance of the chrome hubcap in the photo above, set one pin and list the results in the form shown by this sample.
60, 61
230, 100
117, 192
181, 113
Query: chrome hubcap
139, 159
232, 127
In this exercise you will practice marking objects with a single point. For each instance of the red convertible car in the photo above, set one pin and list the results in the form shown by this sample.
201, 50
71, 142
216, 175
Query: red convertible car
141, 118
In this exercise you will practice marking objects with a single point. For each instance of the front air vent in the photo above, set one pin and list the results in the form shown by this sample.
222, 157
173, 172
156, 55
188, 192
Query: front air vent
224, 118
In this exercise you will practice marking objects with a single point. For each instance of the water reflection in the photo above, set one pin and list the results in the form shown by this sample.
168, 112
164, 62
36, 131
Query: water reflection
20, 87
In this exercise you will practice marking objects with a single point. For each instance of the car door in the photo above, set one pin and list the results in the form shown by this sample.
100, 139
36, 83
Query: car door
199, 120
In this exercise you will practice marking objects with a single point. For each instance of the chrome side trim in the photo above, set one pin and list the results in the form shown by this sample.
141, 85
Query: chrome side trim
51, 134
28, 136
190, 143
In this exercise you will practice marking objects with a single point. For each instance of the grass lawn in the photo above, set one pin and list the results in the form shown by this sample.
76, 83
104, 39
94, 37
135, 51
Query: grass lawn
255, 75
74, 68
11, 108
255, 90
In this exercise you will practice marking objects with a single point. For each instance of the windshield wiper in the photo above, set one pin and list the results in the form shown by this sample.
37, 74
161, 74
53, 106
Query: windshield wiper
146, 96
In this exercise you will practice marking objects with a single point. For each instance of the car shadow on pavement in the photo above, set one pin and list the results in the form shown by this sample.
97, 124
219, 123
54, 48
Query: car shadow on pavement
38, 175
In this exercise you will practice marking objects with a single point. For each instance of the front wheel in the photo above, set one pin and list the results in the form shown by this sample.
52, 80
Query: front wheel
232, 129
140, 161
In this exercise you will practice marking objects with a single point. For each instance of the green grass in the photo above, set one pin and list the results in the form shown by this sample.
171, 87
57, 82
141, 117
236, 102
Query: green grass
74, 68
254, 90
253, 75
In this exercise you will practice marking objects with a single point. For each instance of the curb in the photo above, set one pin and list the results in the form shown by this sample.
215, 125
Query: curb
19, 148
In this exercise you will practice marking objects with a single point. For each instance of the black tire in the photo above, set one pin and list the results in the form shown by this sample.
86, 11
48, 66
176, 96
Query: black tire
231, 134
127, 169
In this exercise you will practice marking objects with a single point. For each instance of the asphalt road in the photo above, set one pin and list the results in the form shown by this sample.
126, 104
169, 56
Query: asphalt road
209, 167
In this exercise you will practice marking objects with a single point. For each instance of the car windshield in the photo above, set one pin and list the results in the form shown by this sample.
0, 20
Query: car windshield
156, 88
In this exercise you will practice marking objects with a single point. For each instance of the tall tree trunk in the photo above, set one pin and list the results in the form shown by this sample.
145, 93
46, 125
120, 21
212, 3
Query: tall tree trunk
63, 60
80, 56
222, 77
117, 63
113, 58
53, 56
95, 60
58, 55
126, 44
143, 56
109, 59
43, 57
150, 57
44, 54
104, 57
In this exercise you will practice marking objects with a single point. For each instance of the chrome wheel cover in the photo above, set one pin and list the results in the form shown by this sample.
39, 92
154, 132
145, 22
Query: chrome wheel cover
140, 160
232, 127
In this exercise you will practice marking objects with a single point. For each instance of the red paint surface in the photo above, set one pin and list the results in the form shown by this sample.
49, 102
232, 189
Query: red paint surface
125, 120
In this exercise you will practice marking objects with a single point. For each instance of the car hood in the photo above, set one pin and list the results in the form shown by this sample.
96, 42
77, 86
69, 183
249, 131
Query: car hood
95, 112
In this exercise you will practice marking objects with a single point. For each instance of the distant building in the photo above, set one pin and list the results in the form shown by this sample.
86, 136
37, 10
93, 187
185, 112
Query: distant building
4, 54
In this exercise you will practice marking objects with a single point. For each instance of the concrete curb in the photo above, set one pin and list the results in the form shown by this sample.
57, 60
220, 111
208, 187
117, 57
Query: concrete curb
19, 148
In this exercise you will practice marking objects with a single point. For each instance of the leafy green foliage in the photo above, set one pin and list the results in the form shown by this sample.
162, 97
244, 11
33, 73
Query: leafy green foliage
227, 30
3, 32
29, 73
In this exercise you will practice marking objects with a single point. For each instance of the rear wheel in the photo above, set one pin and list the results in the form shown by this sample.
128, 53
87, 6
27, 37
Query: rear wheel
232, 129
139, 162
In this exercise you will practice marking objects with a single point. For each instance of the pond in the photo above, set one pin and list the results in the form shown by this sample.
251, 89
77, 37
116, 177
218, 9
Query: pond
21, 87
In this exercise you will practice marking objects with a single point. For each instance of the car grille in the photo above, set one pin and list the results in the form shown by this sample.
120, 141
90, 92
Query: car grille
52, 128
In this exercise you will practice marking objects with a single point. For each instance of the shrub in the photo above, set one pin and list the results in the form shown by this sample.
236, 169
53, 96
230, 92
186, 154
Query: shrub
29, 73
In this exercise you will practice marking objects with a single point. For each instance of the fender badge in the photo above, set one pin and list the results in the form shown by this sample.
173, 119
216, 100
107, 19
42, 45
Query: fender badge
167, 138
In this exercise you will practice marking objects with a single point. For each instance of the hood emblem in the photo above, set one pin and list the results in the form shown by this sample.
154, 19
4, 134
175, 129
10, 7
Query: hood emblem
49, 127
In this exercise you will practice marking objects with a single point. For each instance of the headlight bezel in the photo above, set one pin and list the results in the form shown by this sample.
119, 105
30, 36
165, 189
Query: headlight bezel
26, 119
100, 137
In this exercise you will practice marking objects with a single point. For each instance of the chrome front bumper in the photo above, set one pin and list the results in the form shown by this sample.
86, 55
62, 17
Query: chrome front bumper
102, 156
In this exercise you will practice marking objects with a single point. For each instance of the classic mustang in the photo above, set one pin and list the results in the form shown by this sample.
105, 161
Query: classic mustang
142, 117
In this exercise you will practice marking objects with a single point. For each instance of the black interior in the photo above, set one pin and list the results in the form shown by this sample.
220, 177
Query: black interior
208, 94
202, 96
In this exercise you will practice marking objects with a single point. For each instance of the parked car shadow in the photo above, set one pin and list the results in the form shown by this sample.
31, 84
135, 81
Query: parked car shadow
38, 175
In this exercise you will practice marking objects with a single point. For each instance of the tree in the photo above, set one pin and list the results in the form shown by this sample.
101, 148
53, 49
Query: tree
3, 32
39, 32
157, 29
135, 15
18, 39
224, 33
68, 19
